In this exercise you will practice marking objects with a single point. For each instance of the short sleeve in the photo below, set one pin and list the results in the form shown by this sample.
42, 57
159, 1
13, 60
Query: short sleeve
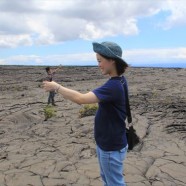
106, 93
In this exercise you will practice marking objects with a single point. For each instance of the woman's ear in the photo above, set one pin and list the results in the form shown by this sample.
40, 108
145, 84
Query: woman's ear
112, 61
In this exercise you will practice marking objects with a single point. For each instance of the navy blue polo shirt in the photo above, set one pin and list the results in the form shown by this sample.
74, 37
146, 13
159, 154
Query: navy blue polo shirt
110, 128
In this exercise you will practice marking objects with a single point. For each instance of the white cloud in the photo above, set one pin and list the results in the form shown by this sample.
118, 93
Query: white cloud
51, 21
156, 56
133, 57
15, 40
177, 13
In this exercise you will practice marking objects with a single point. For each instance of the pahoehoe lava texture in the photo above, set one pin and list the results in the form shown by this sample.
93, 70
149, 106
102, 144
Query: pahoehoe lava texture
61, 150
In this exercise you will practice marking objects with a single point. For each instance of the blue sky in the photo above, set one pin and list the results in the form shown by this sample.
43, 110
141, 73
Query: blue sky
53, 32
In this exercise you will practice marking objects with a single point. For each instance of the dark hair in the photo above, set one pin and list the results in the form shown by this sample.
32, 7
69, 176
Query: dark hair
47, 69
120, 66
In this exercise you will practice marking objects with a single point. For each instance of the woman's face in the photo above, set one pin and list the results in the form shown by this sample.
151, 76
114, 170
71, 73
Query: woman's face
105, 65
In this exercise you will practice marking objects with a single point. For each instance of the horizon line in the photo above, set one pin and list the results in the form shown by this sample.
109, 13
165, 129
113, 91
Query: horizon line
130, 66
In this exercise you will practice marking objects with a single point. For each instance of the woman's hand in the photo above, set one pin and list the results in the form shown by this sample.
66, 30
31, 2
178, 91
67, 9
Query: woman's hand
50, 86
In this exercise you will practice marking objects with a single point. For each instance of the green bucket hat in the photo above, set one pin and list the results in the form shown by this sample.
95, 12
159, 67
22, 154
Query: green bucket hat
109, 49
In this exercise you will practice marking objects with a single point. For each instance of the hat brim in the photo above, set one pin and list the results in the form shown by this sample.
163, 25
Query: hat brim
105, 51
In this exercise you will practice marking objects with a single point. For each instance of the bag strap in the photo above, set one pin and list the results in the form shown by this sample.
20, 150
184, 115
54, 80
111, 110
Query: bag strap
129, 116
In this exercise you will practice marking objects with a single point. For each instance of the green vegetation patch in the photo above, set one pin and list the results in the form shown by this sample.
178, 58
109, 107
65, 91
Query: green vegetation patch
88, 110
49, 112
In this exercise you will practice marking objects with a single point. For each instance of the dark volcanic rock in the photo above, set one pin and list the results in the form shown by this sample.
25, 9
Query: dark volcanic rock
61, 151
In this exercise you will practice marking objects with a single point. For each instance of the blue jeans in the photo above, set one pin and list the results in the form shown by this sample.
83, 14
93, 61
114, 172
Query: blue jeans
51, 97
111, 166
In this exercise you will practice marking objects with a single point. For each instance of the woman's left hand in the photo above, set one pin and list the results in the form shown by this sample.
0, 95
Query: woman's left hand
50, 86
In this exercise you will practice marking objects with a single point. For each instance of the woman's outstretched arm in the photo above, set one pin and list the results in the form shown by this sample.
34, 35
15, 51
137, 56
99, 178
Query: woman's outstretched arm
70, 94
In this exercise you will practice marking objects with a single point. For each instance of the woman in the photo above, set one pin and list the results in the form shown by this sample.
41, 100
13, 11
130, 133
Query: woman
110, 134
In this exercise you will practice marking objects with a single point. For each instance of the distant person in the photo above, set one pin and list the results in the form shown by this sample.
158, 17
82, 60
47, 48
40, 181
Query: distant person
110, 126
50, 73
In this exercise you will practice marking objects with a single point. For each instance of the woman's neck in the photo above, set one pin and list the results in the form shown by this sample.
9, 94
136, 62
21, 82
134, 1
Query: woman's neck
113, 74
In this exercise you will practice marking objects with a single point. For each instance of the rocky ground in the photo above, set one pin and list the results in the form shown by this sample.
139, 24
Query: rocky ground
61, 150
